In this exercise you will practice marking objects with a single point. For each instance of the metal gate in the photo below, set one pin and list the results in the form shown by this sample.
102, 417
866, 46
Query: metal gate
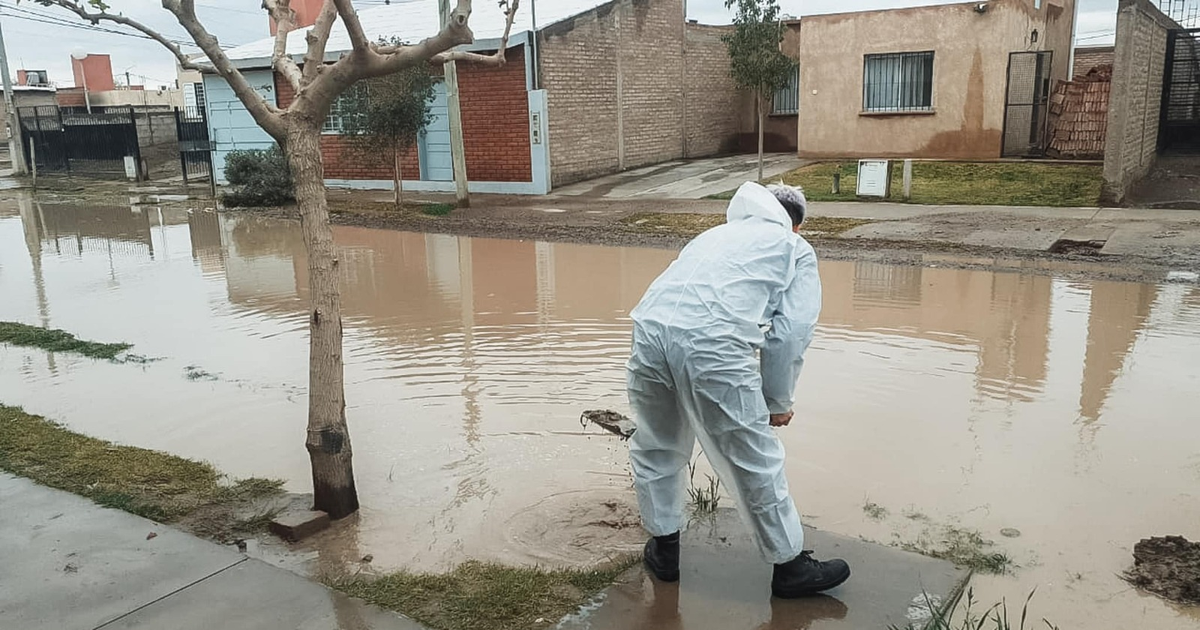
1026, 104
1179, 129
195, 149
91, 143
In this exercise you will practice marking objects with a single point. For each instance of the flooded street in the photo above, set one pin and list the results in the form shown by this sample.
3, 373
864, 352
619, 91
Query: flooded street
1061, 411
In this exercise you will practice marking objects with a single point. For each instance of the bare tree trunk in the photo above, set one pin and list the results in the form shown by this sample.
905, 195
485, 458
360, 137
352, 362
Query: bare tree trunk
328, 440
397, 179
759, 102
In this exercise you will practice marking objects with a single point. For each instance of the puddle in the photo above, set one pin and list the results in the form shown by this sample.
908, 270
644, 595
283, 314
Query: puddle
1059, 408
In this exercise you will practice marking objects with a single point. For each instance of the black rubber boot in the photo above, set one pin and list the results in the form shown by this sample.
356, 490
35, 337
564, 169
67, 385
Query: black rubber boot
804, 576
662, 557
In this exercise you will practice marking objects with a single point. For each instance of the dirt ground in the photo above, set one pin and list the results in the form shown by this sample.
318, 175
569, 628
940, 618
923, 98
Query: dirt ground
1174, 183
1169, 567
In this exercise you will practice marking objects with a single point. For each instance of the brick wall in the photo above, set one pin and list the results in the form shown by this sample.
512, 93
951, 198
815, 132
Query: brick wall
495, 111
652, 88
622, 93
1089, 57
578, 69
713, 103
342, 159
1135, 96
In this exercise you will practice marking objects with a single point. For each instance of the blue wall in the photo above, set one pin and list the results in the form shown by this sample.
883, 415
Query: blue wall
230, 125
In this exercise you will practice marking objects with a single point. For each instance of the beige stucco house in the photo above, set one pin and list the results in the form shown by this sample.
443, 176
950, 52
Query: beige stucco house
964, 80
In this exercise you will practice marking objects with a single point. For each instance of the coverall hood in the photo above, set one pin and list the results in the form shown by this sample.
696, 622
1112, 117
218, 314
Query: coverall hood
754, 201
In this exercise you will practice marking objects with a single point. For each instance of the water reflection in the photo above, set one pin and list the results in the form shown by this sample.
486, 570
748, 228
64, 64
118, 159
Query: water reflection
964, 394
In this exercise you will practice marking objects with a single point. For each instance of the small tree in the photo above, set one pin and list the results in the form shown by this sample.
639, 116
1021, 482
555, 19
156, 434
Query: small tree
756, 63
388, 115
297, 129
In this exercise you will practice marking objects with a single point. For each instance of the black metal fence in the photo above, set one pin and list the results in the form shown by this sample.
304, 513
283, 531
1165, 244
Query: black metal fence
1179, 129
95, 143
195, 149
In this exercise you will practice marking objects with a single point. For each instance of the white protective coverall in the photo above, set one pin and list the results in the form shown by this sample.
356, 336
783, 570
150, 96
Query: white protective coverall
694, 371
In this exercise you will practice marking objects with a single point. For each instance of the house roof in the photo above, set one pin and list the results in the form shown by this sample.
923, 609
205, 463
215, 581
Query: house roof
414, 20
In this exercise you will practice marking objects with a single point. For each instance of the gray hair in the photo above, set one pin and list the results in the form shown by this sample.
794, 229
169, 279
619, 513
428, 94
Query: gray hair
792, 199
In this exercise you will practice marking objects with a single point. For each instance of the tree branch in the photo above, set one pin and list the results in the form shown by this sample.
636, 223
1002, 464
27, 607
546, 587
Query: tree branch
285, 21
267, 115
96, 18
437, 51
317, 37
496, 59
358, 38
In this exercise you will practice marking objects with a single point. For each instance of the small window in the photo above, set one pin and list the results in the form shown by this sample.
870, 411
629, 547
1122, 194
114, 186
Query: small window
898, 82
787, 97
342, 106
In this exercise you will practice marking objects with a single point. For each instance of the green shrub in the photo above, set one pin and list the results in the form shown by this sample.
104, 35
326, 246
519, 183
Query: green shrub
260, 178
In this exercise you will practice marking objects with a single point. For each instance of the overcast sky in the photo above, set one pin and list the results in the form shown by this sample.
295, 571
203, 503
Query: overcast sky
35, 44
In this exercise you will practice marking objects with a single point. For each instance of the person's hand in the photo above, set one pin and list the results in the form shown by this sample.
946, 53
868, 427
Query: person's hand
781, 419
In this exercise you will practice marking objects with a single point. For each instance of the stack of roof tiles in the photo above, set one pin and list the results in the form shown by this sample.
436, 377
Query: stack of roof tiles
1080, 115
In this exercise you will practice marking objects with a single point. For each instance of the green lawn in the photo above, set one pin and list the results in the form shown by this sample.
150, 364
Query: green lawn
54, 340
963, 183
148, 483
483, 596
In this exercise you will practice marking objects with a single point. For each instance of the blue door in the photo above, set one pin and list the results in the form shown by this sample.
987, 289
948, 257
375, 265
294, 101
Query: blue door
434, 152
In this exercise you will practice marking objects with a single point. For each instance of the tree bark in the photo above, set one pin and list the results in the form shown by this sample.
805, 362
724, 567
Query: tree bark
328, 440
396, 175
759, 101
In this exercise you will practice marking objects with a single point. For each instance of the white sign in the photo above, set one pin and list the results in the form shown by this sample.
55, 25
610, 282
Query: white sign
873, 176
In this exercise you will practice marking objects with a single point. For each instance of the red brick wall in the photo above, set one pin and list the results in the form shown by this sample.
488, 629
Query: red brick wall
495, 111
70, 97
345, 161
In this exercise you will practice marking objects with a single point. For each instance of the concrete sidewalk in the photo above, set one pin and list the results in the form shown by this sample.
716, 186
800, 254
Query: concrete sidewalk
69, 564
1112, 231
724, 585
683, 179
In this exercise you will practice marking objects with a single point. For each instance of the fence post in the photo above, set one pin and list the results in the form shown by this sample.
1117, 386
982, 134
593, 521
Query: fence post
137, 149
66, 151
208, 152
182, 152
33, 160
907, 179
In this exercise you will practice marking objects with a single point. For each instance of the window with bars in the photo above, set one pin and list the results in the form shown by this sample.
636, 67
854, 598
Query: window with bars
342, 107
898, 82
787, 97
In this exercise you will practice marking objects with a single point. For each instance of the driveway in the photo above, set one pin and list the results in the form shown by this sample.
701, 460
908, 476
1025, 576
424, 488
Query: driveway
690, 179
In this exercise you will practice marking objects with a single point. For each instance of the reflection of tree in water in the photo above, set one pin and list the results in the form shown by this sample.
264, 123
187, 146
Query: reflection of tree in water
1119, 311
1117, 314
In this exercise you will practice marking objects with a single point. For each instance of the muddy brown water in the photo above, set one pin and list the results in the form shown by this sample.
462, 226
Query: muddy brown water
1064, 410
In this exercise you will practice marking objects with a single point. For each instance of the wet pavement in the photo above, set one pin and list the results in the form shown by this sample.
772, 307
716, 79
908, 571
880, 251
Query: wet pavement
69, 564
723, 584
1058, 407
687, 179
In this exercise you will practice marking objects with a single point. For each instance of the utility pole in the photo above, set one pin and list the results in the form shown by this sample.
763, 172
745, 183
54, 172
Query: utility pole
16, 149
456, 131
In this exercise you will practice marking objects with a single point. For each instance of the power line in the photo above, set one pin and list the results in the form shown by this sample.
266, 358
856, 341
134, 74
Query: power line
21, 13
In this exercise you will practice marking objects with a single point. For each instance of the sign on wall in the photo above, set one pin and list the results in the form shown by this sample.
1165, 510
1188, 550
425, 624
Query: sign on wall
874, 178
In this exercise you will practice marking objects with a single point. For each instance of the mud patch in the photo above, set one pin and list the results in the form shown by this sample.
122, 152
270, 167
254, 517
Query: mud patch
578, 528
1167, 566
1078, 248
